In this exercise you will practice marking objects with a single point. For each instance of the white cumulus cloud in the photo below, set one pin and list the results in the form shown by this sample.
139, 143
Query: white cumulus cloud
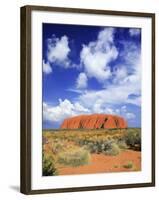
123, 109
46, 67
130, 115
96, 56
58, 49
134, 31
114, 95
120, 73
57, 53
63, 110
81, 81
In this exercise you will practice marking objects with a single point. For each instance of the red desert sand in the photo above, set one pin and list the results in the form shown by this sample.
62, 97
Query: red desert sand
103, 163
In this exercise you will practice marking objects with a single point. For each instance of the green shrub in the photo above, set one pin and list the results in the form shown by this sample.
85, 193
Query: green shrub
129, 165
122, 144
92, 147
74, 158
57, 146
113, 150
108, 147
133, 139
49, 168
81, 142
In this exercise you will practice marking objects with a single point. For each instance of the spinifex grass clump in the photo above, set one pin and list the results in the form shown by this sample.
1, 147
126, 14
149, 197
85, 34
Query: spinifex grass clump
113, 150
76, 157
128, 165
108, 147
133, 139
122, 144
49, 168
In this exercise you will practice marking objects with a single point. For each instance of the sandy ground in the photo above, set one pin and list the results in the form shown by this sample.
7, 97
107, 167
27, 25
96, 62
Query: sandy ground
101, 163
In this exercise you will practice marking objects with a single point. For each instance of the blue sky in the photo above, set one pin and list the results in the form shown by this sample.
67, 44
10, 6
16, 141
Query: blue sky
91, 69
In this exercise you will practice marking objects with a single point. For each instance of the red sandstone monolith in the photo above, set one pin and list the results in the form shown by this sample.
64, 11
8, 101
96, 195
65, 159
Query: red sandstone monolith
94, 121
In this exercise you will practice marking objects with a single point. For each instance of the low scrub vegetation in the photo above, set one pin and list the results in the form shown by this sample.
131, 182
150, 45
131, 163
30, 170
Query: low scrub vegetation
49, 168
74, 158
133, 139
108, 147
74, 147
128, 165
113, 150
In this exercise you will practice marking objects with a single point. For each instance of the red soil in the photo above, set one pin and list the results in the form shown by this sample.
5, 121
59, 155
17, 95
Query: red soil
101, 163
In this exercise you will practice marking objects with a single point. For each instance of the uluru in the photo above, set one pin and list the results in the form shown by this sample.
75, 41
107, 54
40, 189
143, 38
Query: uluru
94, 121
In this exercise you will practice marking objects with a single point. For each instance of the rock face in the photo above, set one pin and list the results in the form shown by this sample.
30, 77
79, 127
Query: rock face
94, 121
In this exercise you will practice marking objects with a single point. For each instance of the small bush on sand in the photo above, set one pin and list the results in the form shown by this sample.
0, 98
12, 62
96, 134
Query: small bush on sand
113, 150
129, 165
122, 144
74, 158
57, 147
133, 139
49, 168
108, 147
